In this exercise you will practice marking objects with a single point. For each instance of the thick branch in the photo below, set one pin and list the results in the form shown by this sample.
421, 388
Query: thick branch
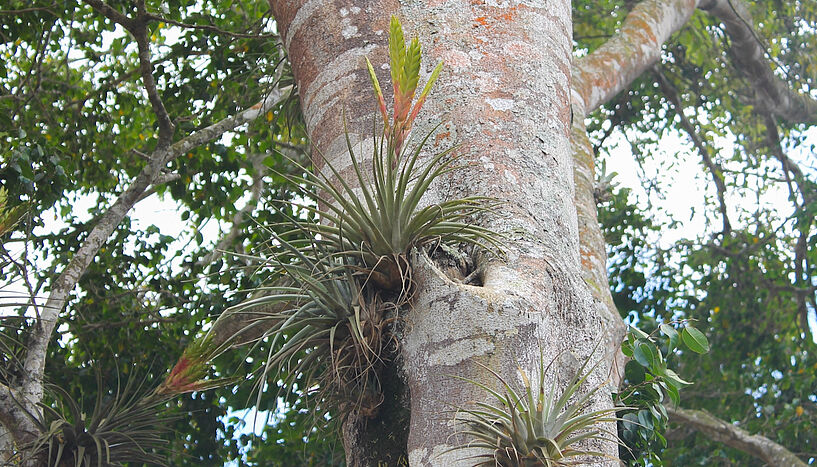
592, 246
772, 94
612, 67
62, 286
735, 437
14, 420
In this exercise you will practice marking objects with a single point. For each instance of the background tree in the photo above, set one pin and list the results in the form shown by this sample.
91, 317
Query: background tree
116, 101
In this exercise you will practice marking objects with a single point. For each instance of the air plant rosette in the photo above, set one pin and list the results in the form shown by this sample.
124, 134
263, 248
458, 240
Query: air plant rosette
342, 281
327, 332
375, 218
129, 425
536, 427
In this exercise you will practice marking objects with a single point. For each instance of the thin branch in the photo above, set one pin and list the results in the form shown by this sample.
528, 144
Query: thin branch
733, 436
259, 171
112, 14
801, 265
714, 169
166, 125
137, 27
208, 27
40, 335
123, 323
772, 94
23, 11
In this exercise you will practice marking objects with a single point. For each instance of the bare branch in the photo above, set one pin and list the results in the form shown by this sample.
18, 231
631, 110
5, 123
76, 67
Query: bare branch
801, 265
34, 364
714, 169
161, 180
217, 129
208, 27
112, 14
138, 29
259, 171
123, 323
772, 94
733, 436
23, 11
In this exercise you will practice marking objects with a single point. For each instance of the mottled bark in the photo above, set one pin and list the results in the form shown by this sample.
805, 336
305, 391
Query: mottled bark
504, 98
597, 78
733, 436
611, 68
771, 94
593, 248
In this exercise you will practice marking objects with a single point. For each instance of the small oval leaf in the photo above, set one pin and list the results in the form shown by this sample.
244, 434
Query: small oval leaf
644, 355
695, 340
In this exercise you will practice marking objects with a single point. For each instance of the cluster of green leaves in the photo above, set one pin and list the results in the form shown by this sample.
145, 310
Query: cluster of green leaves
648, 381
749, 288
539, 426
74, 126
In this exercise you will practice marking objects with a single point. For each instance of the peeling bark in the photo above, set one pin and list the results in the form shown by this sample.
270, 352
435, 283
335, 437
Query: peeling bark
733, 436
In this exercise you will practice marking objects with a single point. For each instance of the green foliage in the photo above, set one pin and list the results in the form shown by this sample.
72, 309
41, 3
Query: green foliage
9, 215
648, 380
535, 427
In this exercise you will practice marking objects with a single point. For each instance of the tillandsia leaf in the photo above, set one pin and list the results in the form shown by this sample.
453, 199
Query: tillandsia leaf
381, 101
328, 337
537, 426
129, 427
426, 89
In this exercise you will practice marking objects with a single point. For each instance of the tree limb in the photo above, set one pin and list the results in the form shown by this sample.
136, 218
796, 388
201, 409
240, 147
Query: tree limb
40, 336
257, 187
772, 94
714, 169
16, 422
733, 436
611, 68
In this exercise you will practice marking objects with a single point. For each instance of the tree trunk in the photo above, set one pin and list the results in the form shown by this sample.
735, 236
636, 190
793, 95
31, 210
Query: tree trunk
504, 98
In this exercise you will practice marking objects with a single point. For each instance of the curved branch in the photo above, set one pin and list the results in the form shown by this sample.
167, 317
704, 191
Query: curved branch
772, 94
612, 67
697, 140
733, 436
41, 333
256, 189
